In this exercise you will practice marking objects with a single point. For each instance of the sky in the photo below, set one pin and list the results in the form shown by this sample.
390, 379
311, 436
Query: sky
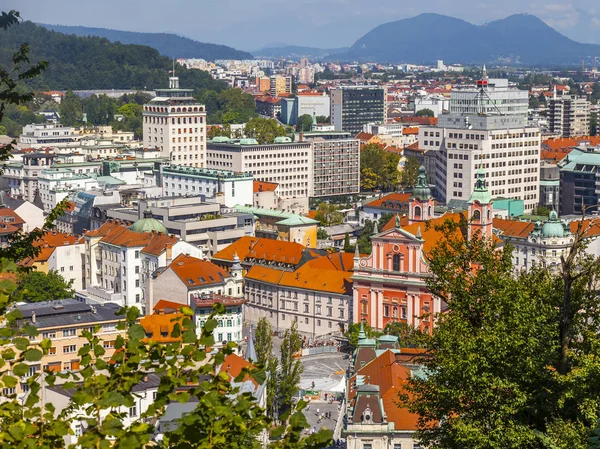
254, 24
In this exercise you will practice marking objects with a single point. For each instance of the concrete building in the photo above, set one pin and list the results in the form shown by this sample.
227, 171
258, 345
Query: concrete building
354, 106
45, 135
283, 225
549, 184
23, 171
32, 214
284, 162
304, 103
119, 260
379, 373
317, 295
188, 278
569, 116
268, 106
335, 168
579, 178
208, 226
63, 322
175, 123
280, 85
230, 187
485, 128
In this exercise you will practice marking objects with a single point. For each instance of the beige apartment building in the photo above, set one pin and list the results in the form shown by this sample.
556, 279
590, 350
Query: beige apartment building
175, 123
63, 322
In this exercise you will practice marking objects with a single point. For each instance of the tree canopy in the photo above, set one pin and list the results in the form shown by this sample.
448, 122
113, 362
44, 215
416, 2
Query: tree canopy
379, 168
512, 363
304, 123
329, 214
37, 286
264, 130
410, 172
426, 112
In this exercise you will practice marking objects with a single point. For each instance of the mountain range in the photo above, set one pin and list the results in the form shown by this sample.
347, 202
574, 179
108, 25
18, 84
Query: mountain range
517, 39
171, 45
295, 51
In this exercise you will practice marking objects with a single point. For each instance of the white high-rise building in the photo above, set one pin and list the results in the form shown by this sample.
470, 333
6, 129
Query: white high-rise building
487, 128
175, 123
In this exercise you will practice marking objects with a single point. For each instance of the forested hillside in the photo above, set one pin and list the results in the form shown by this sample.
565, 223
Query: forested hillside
167, 44
96, 63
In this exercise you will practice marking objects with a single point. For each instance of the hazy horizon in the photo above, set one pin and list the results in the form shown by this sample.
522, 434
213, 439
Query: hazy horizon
253, 25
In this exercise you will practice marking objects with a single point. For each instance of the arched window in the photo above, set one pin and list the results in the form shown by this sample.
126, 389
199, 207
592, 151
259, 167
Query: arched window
417, 211
489, 215
429, 211
477, 216
396, 262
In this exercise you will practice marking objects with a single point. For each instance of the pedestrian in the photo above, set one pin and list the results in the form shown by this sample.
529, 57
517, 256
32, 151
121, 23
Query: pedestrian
308, 407
317, 412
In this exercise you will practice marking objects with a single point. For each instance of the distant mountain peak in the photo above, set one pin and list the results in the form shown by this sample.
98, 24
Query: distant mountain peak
519, 38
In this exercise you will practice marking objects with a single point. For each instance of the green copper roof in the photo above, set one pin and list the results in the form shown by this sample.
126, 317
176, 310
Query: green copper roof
553, 227
480, 193
148, 224
421, 190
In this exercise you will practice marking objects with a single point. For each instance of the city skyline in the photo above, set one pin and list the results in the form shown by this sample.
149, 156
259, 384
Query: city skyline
338, 23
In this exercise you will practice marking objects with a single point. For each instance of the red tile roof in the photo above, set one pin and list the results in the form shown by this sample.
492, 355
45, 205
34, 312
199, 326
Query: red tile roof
387, 201
233, 366
117, 234
557, 149
391, 224
392, 378
513, 228
263, 186
364, 137
160, 326
195, 272
262, 249
413, 130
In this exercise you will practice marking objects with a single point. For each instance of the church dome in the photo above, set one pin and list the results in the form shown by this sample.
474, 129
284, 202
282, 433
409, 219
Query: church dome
553, 227
148, 224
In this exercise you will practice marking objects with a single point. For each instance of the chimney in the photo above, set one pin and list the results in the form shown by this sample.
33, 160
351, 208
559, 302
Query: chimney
301, 137
33, 319
169, 249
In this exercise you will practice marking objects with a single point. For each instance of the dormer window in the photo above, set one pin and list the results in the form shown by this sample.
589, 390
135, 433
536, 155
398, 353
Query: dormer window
367, 416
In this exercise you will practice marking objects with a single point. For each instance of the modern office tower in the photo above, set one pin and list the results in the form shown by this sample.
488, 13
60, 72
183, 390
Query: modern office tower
355, 106
175, 123
569, 116
486, 127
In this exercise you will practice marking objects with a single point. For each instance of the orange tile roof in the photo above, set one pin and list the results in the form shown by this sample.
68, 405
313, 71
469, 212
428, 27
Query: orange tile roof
104, 229
263, 186
557, 149
414, 130
204, 303
429, 233
54, 239
117, 234
233, 365
339, 261
414, 147
309, 278
391, 224
428, 121
312, 214
262, 249
513, 228
264, 274
158, 243
195, 272
390, 197
392, 378
164, 305
5, 213
364, 137
160, 326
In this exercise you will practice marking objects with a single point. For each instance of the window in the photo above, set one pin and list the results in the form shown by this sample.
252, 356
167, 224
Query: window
69, 349
69, 332
137, 269
133, 411
137, 298
78, 430
51, 334
403, 312
137, 254
396, 261
386, 310
220, 337
367, 446
137, 282
52, 351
